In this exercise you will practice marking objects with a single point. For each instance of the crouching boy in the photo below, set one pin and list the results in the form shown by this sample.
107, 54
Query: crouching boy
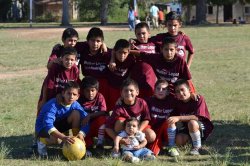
56, 118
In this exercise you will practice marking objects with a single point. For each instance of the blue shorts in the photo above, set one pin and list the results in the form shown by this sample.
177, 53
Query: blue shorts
140, 153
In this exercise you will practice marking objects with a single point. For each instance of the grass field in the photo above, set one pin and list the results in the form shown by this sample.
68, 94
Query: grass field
220, 71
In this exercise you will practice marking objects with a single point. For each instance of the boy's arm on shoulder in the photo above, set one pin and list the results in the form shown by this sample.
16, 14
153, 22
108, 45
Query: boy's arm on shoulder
143, 125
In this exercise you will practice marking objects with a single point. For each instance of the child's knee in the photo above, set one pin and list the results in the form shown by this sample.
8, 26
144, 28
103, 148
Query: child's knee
193, 125
150, 135
181, 139
119, 125
74, 116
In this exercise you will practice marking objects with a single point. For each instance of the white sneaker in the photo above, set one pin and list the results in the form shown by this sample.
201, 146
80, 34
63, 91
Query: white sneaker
149, 157
88, 153
135, 160
194, 151
115, 155
42, 149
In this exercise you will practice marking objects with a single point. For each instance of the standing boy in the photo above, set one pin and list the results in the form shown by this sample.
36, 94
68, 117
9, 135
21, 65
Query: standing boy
131, 106
191, 119
95, 105
56, 118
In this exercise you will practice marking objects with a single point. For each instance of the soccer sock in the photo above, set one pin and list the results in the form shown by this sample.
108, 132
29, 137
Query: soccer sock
171, 136
101, 133
75, 131
196, 139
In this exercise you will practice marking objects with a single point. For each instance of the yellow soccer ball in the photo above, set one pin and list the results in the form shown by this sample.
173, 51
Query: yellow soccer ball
74, 151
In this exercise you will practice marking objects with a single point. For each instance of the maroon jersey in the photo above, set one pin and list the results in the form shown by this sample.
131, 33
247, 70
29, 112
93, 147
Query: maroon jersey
116, 77
139, 110
160, 110
57, 53
198, 108
148, 47
92, 65
57, 76
183, 42
92, 106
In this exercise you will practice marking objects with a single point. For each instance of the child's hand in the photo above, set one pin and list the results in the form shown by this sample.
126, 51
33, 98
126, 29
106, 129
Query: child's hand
173, 119
125, 141
58, 61
116, 149
132, 44
182, 33
137, 147
119, 101
68, 139
85, 121
195, 96
81, 137
112, 66
104, 48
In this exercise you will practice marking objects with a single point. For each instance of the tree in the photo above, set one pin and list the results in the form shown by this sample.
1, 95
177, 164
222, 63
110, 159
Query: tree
188, 4
65, 15
201, 10
104, 11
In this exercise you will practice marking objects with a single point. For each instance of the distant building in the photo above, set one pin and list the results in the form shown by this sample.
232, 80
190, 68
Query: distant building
227, 13
54, 7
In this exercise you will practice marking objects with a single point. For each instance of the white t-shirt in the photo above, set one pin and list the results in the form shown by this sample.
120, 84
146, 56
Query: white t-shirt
134, 140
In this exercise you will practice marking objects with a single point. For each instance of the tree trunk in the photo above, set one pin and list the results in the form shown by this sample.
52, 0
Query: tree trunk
188, 13
65, 15
104, 12
217, 14
201, 10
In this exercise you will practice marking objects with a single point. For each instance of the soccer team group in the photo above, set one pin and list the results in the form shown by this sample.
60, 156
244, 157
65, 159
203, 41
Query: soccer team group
139, 95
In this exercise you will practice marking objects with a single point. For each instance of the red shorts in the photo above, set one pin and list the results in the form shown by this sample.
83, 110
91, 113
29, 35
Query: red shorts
161, 137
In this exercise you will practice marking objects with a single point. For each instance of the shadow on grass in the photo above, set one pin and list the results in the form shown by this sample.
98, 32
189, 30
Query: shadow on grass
229, 141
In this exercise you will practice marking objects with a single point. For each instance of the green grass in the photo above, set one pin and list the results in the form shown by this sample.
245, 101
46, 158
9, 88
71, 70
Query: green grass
220, 72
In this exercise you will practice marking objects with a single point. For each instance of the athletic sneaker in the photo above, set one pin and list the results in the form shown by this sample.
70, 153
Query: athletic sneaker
172, 151
194, 151
115, 155
42, 149
88, 153
135, 159
149, 157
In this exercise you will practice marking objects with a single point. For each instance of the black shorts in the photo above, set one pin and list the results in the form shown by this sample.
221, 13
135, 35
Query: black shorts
61, 125
182, 127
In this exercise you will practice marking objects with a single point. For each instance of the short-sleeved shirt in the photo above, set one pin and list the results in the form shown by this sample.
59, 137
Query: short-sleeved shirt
134, 140
149, 47
154, 11
160, 110
198, 108
52, 111
116, 77
183, 43
57, 76
139, 110
92, 106
93, 65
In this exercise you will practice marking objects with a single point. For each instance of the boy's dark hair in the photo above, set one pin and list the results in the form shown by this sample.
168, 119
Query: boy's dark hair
169, 40
120, 44
132, 119
69, 33
128, 82
181, 82
69, 51
95, 32
71, 84
161, 81
90, 82
142, 25
173, 16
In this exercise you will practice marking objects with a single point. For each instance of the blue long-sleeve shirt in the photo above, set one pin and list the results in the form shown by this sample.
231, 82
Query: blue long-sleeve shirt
52, 111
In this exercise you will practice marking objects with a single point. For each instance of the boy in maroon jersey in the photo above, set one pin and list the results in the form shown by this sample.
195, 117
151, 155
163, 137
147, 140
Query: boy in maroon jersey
58, 75
124, 63
173, 23
94, 104
160, 107
69, 39
94, 58
191, 119
142, 72
168, 64
131, 106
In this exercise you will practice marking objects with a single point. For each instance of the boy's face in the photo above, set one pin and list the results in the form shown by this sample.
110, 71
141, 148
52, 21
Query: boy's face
95, 43
70, 95
173, 27
131, 127
70, 42
90, 93
122, 54
129, 94
182, 92
161, 91
142, 35
169, 51
68, 61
